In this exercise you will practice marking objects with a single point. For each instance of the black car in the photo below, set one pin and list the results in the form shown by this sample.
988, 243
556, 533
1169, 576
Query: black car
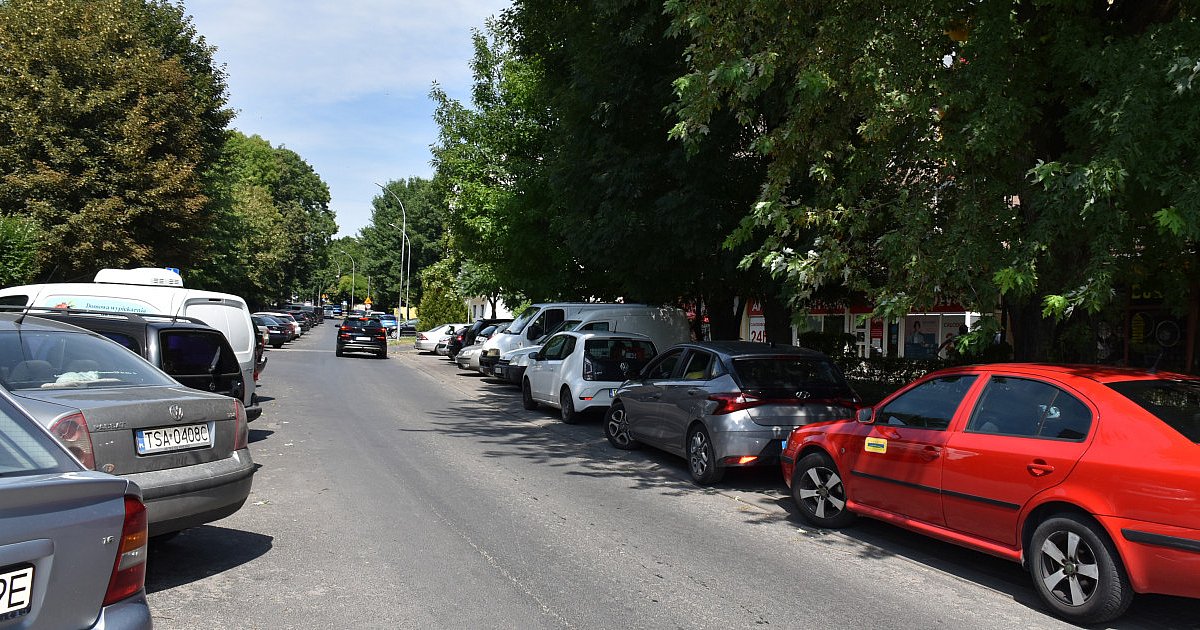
193, 353
278, 332
362, 334
467, 336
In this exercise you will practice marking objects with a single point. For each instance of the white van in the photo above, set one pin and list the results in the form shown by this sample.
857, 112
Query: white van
152, 291
665, 326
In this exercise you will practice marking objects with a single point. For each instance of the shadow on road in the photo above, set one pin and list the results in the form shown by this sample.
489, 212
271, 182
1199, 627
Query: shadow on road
201, 552
257, 435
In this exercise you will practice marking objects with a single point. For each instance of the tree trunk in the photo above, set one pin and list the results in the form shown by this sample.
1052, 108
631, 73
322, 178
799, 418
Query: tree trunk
723, 321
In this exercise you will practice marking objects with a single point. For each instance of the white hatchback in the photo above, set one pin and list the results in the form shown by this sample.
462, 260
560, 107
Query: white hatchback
578, 371
427, 341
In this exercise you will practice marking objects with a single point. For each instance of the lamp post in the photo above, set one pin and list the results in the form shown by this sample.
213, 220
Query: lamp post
404, 234
404, 242
353, 271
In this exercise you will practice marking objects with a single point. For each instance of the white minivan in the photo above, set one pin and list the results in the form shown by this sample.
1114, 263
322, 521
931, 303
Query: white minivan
664, 325
152, 291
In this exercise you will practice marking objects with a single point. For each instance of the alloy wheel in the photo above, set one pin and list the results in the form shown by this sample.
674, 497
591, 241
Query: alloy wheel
821, 493
1068, 568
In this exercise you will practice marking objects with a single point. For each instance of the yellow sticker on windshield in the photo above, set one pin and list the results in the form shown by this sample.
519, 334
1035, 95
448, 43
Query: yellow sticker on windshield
875, 445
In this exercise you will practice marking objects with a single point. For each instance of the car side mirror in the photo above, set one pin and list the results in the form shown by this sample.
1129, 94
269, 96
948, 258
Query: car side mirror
866, 415
536, 356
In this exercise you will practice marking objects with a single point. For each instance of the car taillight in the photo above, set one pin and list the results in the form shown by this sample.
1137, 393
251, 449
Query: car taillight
729, 403
422, 337
241, 432
589, 369
72, 432
129, 570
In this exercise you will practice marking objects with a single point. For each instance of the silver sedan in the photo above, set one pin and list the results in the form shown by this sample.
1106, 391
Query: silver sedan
72, 542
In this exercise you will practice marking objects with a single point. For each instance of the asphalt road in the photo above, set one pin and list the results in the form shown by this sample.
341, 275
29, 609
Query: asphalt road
403, 493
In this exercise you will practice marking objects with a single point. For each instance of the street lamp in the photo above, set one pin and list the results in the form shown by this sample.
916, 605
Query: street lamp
404, 233
353, 270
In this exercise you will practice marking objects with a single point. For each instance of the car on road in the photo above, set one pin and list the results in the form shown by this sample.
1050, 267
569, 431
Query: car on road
427, 341
361, 334
117, 413
278, 333
726, 404
296, 329
1087, 475
389, 323
579, 371
56, 570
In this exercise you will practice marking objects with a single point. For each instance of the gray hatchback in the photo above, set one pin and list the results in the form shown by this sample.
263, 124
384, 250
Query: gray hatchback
119, 414
724, 404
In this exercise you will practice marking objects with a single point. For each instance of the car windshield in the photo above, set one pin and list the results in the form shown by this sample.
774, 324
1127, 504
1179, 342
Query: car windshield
1177, 403
62, 359
787, 375
523, 320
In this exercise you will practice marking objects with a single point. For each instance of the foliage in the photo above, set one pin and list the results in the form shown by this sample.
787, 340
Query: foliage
1038, 165
441, 303
382, 239
110, 112
19, 239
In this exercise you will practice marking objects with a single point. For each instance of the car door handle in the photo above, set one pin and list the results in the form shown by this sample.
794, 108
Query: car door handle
695, 391
930, 453
888, 433
1039, 468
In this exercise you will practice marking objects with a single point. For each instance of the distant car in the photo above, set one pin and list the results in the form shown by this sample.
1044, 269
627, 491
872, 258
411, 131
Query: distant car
724, 404
117, 413
56, 570
580, 371
286, 318
466, 337
278, 333
1085, 474
329, 312
468, 358
389, 323
427, 341
408, 327
361, 334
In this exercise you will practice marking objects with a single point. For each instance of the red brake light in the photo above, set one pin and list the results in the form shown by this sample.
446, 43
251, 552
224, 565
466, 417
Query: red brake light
241, 432
422, 337
129, 569
72, 432
729, 403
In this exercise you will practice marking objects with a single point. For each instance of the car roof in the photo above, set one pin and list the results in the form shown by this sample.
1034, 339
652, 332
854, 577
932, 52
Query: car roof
9, 321
1099, 373
604, 334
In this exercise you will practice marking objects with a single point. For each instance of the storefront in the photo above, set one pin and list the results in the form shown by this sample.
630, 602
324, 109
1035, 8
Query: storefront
923, 335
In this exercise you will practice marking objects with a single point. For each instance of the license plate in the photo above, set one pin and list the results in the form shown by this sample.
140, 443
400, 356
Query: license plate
362, 338
173, 438
16, 591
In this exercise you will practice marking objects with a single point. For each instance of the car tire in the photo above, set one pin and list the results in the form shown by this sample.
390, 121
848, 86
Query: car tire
527, 400
819, 493
567, 406
616, 428
1076, 570
702, 457
277, 345
338, 352
382, 354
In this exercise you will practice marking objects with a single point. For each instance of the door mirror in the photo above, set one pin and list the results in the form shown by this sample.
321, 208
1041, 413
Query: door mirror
865, 415
536, 356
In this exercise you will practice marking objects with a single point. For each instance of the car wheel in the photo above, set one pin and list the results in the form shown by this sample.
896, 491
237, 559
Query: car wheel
702, 458
616, 428
277, 345
818, 491
382, 354
1076, 570
527, 396
338, 352
567, 404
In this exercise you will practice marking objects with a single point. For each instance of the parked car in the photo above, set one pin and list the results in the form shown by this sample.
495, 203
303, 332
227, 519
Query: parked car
579, 371
427, 341
1085, 474
300, 316
286, 319
443, 345
195, 354
117, 413
389, 323
466, 337
278, 333
511, 365
361, 334
724, 404
408, 327
55, 569
468, 358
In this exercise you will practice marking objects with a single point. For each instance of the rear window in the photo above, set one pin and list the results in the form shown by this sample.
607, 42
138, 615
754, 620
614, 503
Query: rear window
1177, 403
195, 352
612, 359
59, 359
24, 450
361, 324
786, 374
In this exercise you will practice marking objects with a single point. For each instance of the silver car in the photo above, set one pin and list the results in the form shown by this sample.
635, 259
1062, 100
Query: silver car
723, 404
72, 542
119, 414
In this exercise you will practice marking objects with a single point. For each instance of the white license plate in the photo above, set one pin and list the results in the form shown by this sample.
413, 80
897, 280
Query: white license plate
362, 338
173, 438
16, 591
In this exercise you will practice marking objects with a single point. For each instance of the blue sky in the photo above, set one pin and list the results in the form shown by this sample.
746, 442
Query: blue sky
345, 84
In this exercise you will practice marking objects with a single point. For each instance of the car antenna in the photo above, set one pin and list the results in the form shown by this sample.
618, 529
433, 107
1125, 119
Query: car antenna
1154, 368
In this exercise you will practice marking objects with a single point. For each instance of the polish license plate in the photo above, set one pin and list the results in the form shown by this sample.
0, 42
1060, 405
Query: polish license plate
362, 338
173, 438
16, 591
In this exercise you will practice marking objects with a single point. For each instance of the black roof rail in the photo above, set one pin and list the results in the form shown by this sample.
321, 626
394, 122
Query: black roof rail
52, 310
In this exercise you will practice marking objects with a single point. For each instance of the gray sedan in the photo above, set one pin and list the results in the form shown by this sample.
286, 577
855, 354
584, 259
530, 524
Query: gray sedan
119, 414
72, 542
726, 404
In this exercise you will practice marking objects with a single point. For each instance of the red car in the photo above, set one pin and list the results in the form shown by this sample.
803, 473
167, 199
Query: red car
1089, 476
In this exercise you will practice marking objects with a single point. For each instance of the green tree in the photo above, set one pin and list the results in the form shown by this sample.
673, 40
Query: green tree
1038, 160
382, 239
19, 239
110, 112
441, 302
